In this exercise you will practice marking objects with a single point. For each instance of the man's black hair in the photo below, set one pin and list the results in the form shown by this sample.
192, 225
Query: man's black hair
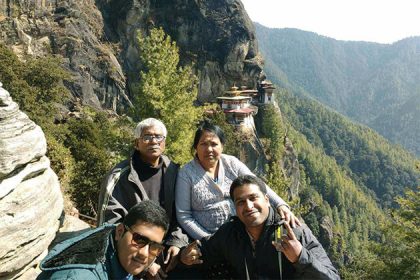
147, 211
247, 180
208, 126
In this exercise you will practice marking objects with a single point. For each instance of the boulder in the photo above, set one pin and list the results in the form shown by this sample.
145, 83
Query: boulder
31, 202
21, 140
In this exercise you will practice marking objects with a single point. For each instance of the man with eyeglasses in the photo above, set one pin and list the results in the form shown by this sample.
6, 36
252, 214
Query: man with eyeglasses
111, 251
147, 174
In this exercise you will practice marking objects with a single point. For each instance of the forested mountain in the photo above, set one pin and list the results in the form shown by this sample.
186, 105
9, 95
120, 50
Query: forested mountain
375, 165
350, 175
374, 84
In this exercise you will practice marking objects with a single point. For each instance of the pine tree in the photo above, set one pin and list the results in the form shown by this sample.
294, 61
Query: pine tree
401, 251
167, 92
272, 129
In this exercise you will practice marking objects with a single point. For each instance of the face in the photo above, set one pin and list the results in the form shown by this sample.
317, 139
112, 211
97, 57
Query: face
135, 259
251, 205
209, 148
150, 150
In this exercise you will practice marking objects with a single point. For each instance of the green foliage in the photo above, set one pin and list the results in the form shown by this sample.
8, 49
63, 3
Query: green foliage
331, 194
92, 165
345, 167
273, 130
81, 151
370, 160
338, 193
277, 181
62, 161
167, 92
96, 145
272, 133
35, 85
398, 255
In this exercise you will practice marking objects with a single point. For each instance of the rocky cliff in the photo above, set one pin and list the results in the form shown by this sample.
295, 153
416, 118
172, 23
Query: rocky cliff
72, 30
98, 42
217, 36
30, 197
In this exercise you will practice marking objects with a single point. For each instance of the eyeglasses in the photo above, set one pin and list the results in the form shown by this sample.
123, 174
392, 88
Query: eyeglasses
149, 138
139, 241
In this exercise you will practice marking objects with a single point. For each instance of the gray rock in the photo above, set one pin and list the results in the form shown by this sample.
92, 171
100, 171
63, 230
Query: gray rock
21, 140
74, 30
71, 227
326, 232
290, 165
29, 220
30, 197
29, 170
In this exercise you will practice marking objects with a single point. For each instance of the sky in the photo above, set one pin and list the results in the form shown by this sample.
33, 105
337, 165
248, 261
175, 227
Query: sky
381, 21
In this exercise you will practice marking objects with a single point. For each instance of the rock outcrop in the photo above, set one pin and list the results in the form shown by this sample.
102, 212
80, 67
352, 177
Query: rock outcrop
217, 36
73, 30
97, 40
290, 165
30, 198
326, 232
252, 152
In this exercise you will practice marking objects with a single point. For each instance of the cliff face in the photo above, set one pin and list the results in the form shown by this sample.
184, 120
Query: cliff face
98, 42
217, 36
74, 31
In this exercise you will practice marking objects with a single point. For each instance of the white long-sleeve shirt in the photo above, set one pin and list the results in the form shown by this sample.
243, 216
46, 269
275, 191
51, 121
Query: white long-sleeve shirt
203, 205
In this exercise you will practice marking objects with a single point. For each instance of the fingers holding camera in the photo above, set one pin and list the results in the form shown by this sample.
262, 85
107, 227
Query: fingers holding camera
289, 245
191, 254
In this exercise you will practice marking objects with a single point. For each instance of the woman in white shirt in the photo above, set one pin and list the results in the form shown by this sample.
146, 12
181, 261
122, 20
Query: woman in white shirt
202, 189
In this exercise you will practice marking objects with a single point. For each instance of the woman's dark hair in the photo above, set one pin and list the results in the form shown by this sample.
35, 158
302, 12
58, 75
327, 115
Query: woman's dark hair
207, 126
147, 211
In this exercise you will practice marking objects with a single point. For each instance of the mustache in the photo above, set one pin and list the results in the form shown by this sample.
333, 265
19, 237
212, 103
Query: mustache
140, 259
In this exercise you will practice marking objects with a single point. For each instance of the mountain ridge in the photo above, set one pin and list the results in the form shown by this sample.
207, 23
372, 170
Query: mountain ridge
362, 80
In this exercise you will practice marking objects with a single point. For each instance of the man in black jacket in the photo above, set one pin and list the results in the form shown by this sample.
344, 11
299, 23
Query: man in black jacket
253, 245
148, 174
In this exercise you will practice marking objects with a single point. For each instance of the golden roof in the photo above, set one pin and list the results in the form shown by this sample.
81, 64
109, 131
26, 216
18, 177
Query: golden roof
233, 91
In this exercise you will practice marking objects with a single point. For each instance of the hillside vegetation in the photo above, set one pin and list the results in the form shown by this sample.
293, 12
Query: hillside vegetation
377, 166
349, 176
374, 84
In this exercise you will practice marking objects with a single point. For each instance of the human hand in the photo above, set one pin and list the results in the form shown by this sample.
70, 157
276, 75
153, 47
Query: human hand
173, 251
288, 216
153, 269
289, 245
191, 254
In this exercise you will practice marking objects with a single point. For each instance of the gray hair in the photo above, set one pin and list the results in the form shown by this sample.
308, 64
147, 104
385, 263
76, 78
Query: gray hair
149, 123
